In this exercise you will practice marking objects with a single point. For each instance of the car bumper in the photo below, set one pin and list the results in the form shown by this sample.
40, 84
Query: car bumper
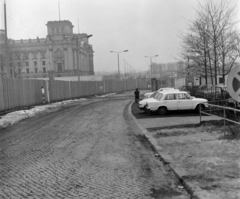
141, 106
150, 109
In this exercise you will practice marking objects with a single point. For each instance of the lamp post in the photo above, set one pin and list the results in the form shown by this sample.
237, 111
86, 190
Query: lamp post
118, 59
124, 68
151, 64
127, 70
76, 38
6, 40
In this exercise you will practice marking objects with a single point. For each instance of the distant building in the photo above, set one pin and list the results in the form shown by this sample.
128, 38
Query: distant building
56, 53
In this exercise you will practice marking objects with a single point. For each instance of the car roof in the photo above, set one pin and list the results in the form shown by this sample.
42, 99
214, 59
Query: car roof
166, 88
173, 91
170, 90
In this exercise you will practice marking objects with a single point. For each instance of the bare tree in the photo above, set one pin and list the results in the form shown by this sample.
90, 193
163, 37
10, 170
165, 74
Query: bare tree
212, 40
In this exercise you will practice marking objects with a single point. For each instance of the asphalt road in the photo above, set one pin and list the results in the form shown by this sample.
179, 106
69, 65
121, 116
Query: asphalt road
90, 149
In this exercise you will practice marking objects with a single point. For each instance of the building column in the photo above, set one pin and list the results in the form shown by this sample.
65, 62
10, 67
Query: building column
84, 64
87, 64
51, 67
81, 63
65, 60
90, 64
70, 58
75, 60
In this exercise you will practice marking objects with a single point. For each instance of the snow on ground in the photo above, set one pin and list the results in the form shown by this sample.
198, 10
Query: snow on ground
209, 156
105, 95
13, 117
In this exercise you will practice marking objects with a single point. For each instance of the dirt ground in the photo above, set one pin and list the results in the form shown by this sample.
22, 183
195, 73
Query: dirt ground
209, 155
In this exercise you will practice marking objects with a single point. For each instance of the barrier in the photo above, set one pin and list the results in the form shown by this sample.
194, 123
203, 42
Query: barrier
18, 93
213, 108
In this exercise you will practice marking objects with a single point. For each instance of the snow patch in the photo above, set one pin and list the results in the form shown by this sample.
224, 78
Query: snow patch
14, 117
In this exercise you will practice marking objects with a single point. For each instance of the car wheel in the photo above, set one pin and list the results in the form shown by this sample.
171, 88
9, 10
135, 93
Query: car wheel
198, 107
162, 110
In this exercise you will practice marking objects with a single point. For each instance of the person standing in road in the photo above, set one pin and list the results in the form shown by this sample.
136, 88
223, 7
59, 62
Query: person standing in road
136, 93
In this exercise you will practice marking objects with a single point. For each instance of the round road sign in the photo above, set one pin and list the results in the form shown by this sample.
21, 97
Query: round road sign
233, 83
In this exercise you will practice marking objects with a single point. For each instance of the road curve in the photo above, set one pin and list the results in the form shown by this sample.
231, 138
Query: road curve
85, 150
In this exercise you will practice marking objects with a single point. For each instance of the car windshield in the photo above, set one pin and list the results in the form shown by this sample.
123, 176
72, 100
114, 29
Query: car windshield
158, 96
152, 95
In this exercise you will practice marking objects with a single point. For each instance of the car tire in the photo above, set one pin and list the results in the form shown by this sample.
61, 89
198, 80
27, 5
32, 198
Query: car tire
162, 110
198, 107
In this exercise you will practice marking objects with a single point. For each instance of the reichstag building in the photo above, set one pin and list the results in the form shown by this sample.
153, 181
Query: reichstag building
61, 52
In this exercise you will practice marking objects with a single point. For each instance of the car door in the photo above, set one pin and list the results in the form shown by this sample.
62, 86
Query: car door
170, 101
184, 101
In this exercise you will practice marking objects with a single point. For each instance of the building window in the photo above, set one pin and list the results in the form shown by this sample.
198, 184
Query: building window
36, 70
35, 63
43, 63
11, 72
53, 31
2, 66
19, 71
10, 64
27, 70
220, 80
57, 30
59, 67
35, 56
44, 69
27, 64
58, 53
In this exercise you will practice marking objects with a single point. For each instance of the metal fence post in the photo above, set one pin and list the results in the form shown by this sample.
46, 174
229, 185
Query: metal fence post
224, 115
200, 112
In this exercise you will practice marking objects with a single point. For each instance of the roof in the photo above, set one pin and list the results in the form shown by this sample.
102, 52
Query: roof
25, 41
59, 22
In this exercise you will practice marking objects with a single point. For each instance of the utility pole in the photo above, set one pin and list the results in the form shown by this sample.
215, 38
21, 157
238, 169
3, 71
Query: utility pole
6, 39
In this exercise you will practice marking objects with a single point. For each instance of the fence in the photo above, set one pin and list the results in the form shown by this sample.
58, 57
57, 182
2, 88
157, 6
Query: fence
222, 113
17, 93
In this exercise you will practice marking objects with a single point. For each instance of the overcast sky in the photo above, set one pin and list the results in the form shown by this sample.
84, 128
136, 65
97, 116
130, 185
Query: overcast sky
144, 27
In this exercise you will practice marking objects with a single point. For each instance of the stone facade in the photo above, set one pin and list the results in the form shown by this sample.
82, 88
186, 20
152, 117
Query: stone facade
58, 52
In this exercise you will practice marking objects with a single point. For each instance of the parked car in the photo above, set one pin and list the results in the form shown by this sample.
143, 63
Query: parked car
175, 100
186, 88
146, 95
143, 102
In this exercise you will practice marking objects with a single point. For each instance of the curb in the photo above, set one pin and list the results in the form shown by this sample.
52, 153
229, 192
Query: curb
163, 157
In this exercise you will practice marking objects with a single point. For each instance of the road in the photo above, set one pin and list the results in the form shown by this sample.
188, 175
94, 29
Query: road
89, 149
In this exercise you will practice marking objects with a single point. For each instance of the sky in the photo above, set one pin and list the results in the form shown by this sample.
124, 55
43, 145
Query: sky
143, 27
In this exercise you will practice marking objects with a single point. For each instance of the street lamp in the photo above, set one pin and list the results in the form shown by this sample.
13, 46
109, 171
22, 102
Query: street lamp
118, 60
151, 64
124, 68
76, 38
